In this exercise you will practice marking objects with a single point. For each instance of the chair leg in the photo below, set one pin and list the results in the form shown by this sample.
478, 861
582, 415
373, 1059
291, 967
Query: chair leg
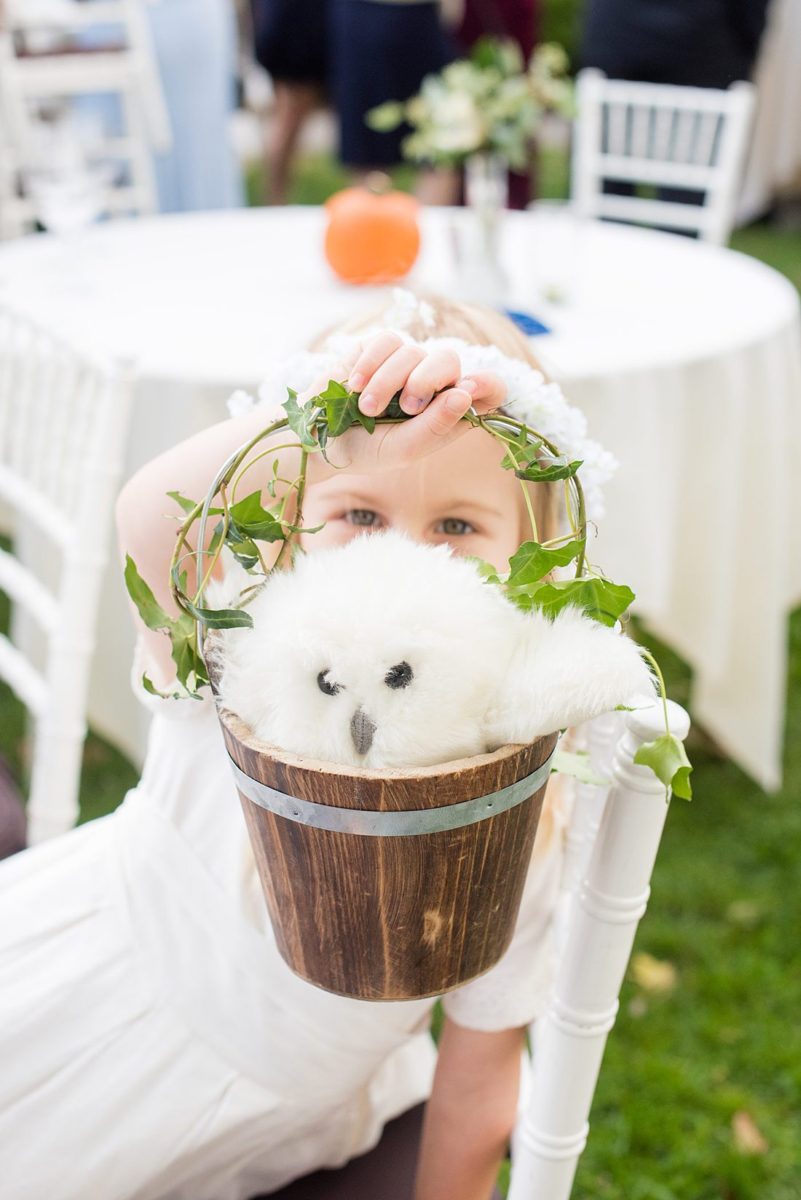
610, 902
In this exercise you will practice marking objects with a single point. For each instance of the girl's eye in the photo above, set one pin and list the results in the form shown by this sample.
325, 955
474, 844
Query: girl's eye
326, 685
363, 517
455, 527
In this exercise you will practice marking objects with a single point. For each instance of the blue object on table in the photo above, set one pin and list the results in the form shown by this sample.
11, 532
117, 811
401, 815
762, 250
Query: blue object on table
525, 322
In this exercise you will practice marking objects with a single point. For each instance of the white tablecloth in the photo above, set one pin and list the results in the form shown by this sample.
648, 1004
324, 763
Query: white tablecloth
685, 358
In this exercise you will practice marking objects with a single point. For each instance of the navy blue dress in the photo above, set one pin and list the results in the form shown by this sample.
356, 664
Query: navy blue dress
290, 39
701, 43
379, 52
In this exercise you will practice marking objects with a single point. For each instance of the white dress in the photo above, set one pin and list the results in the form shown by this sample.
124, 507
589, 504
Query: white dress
153, 1042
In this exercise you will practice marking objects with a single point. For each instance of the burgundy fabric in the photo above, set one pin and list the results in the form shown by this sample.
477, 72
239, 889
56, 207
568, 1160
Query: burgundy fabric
386, 1173
12, 815
517, 19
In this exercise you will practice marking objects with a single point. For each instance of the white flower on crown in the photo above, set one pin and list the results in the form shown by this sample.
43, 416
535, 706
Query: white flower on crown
239, 402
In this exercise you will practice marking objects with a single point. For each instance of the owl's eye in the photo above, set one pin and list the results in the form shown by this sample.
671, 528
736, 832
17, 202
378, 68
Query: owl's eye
326, 685
399, 676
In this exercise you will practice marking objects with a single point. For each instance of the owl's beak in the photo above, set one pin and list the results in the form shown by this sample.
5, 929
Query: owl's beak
362, 730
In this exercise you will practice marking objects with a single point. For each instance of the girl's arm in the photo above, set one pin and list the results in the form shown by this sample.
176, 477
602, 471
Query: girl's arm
145, 526
470, 1114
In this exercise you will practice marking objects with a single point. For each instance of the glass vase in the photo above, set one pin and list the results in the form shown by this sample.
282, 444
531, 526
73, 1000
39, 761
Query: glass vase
483, 279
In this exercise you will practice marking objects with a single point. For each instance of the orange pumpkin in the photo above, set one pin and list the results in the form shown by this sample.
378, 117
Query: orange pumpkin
371, 237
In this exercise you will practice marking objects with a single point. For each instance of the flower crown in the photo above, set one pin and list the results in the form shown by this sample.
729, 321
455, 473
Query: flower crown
531, 398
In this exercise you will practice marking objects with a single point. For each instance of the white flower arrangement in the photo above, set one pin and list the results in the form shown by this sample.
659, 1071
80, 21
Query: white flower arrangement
491, 102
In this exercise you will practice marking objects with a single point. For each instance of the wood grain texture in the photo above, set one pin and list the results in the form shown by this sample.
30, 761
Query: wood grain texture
390, 918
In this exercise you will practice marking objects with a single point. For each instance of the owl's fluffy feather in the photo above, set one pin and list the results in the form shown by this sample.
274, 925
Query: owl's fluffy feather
316, 670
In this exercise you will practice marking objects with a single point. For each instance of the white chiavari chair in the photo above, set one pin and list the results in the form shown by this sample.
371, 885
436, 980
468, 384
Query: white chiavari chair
63, 424
665, 138
612, 848
45, 60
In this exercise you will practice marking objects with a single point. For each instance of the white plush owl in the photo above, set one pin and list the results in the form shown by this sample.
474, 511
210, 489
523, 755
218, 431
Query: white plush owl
388, 653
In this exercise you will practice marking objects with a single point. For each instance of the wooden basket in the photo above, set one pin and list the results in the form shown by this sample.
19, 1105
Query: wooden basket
364, 907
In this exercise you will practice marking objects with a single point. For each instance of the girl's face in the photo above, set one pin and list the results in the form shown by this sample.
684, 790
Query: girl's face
459, 496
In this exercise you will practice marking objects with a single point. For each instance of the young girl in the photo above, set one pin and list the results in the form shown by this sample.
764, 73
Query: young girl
154, 1043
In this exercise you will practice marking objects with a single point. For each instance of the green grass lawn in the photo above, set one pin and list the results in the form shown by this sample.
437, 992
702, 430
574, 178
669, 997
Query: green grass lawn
721, 1050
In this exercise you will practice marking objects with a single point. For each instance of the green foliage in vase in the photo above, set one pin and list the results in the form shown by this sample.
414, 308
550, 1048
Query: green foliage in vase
490, 103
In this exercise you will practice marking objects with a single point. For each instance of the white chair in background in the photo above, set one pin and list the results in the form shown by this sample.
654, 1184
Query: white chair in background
659, 136
612, 847
16, 214
44, 62
63, 424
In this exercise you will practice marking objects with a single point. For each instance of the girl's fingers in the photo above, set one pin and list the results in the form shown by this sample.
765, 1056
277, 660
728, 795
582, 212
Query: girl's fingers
389, 379
439, 424
373, 355
437, 370
488, 391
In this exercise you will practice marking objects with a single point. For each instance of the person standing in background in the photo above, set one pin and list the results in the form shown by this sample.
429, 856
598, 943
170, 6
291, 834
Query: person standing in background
195, 48
289, 40
196, 51
515, 20
692, 43
382, 50
697, 43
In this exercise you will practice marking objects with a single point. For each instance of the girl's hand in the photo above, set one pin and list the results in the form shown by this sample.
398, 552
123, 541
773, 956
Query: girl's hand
432, 391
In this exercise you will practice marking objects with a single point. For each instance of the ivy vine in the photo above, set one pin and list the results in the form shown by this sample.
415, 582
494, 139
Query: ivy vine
244, 525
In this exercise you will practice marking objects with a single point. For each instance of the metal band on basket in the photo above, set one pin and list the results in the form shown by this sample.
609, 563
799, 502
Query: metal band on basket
407, 823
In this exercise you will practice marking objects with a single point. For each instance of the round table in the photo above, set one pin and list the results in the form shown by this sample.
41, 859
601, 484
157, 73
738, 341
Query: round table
685, 357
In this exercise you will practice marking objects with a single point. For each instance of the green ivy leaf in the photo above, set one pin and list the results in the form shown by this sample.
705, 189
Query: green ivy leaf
601, 600
184, 503
189, 506
219, 618
146, 603
303, 529
249, 520
577, 765
485, 569
393, 411
190, 668
385, 117
668, 759
549, 471
243, 549
366, 422
299, 419
341, 408
533, 562
521, 453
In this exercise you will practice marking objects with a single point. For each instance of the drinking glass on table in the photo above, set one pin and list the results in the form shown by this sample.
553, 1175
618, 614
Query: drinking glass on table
556, 251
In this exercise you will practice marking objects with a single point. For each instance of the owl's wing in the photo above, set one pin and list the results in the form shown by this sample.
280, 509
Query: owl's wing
565, 671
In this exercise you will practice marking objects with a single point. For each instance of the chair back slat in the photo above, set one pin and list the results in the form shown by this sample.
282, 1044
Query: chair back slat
64, 418
663, 134
610, 900
24, 680
657, 136
24, 589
